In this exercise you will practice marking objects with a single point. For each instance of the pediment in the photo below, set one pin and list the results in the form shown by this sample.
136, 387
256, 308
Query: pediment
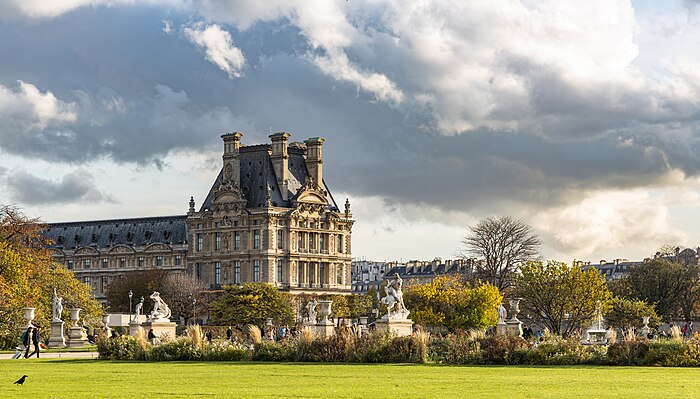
86, 251
117, 249
157, 247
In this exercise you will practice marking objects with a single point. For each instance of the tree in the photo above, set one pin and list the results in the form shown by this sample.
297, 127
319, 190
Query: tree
502, 244
180, 292
562, 298
671, 287
627, 313
28, 276
251, 303
140, 283
452, 302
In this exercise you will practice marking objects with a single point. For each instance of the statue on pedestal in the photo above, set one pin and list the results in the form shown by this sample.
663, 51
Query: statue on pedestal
502, 314
137, 310
161, 311
311, 309
394, 299
57, 306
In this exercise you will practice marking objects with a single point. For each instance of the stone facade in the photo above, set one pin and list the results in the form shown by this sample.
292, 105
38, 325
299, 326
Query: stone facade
268, 217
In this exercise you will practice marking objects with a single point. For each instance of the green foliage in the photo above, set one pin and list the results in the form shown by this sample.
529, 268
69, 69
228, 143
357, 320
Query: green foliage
627, 352
672, 287
557, 351
251, 303
566, 297
504, 349
627, 313
451, 302
124, 347
28, 276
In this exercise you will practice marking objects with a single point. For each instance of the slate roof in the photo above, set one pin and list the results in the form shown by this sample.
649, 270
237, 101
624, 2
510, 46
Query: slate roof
106, 233
258, 174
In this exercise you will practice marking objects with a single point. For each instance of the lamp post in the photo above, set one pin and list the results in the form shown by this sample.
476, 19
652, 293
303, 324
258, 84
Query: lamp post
131, 294
194, 309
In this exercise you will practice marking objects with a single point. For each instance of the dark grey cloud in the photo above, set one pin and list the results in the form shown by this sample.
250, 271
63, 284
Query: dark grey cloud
140, 94
78, 186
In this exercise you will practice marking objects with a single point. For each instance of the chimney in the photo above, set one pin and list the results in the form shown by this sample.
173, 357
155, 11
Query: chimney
314, 159
232, 166
280, 159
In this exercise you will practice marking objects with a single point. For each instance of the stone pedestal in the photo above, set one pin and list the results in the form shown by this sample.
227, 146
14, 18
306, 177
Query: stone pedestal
514, 327
324, 329
502, 329
163, 329
134, 328
399, 328
77, 338
56, 339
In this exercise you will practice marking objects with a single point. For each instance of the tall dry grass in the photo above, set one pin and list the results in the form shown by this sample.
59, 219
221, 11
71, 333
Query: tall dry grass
194, 332
676, 333
254, 333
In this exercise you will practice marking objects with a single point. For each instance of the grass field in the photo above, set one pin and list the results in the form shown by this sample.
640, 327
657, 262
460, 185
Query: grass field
74, 379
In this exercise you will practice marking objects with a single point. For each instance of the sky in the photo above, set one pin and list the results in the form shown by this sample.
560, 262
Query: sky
581, 119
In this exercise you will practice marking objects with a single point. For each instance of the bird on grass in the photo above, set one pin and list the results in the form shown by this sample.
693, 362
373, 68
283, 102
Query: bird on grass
21, 380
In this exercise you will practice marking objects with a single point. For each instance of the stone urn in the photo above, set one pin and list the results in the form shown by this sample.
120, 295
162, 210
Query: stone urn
324, 310
75, 316
514, 308
29, 316
105, 321
269, 322
364, 320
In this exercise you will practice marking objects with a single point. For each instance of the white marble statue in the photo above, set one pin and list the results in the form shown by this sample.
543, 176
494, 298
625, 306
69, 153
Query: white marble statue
161, 311
502, 314
394, 299
311, 308
137, 309
57, 306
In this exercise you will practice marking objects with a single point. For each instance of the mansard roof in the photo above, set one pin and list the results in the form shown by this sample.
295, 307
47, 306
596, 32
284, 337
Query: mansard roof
258, 175
108, 233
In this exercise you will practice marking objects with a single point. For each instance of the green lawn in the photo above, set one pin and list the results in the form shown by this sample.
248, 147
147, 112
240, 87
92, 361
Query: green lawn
74, 379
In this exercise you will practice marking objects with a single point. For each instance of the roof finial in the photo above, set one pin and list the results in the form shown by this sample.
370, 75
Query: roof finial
191, 204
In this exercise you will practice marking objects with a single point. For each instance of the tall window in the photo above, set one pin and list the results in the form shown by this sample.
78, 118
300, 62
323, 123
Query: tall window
198, 270
339, 274
141, 262
322, 272
279, 270
86, 264
312, 240
217, 273
256, 271
300, 273
159, 261
237, 271
200, 243
70, 265
103, 283
300, 243
87, 280
340, 243
237, 240
122, 262
280, 239
256, 239
322, 241
178, 260
217, 242
105, 263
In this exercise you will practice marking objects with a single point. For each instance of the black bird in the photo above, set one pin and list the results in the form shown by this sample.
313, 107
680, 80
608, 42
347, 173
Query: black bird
21, 380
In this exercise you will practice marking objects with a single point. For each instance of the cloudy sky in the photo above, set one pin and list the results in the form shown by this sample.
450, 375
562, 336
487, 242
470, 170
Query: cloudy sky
583, 119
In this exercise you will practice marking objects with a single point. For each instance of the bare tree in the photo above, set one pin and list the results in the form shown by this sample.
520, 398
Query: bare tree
186, 295
501, 244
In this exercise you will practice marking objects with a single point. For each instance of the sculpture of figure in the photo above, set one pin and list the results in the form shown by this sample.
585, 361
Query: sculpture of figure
502, 314
137, 309
394, 299
57, 306
311, 308
160, 308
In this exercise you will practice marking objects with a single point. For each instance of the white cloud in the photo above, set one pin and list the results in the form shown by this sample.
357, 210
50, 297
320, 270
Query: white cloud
28, 109
218, 47
167, 26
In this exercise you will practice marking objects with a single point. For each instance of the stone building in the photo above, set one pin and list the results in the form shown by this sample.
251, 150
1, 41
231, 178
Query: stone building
269, 217
422, 272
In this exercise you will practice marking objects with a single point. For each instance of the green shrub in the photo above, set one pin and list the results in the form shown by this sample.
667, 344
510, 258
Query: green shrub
179, 349
504, 349
124, 347
669, 353
222, 350
270, 351
558, 351
627, 352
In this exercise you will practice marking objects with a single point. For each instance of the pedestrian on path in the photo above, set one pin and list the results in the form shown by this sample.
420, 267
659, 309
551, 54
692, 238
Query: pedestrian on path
36, 339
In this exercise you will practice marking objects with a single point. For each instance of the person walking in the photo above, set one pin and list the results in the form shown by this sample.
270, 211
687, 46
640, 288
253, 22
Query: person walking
26, 339
229, 333
152, 336
36, 339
